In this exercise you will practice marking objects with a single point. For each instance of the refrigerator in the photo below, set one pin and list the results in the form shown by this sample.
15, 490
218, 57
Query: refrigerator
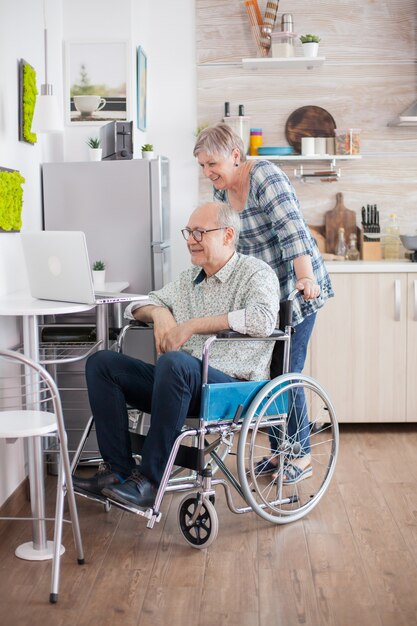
123, 207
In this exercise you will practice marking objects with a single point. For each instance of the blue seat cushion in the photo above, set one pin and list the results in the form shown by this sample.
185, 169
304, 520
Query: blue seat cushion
220, 400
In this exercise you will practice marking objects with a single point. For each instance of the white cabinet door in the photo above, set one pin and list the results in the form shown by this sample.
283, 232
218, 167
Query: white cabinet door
412, 349
359, 347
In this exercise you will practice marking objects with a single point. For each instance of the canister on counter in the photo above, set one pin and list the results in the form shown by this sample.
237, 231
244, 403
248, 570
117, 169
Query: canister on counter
255, 141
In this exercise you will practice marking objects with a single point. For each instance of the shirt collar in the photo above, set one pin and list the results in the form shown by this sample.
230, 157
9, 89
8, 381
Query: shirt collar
224, 272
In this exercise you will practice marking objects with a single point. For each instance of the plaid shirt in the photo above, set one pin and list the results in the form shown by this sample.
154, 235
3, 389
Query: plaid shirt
273, 229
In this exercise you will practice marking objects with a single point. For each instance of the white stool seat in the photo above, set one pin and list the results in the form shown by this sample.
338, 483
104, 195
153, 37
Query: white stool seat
26, 423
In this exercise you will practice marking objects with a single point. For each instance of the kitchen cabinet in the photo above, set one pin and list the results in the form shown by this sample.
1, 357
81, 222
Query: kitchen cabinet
363, 348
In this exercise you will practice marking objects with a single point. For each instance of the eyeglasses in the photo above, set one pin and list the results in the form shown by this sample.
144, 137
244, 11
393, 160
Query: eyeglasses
198, 233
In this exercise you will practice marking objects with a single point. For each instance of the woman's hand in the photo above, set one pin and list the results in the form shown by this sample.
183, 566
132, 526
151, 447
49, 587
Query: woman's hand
309, 286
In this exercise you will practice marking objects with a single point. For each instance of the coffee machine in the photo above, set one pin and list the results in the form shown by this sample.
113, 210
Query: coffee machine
117, 141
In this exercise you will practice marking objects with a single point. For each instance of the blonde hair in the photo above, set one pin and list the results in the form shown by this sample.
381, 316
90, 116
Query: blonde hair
219, 139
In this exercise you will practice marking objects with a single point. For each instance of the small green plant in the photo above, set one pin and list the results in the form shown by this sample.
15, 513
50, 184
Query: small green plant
93, 142
99, 266
310, 39
147, 147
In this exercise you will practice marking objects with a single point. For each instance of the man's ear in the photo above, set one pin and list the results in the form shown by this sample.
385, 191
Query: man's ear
229, 233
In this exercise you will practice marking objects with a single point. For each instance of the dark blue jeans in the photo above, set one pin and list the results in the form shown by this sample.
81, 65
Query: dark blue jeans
169, 390
298, 426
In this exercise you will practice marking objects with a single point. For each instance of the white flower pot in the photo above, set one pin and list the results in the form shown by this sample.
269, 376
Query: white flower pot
147, 155
310, 49
95, 154
99, 278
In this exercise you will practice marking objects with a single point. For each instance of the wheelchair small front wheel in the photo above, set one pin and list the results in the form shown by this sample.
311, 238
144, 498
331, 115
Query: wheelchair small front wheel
203, 530
290, 417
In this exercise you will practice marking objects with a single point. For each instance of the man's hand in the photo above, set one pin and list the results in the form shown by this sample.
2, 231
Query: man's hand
176, 337
164, 322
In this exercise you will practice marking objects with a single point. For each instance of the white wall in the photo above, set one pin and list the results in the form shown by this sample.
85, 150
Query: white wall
166, 32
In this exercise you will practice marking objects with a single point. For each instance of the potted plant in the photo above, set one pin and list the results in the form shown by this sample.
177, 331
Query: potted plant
310, 45
147, 151
99, 274
96, 151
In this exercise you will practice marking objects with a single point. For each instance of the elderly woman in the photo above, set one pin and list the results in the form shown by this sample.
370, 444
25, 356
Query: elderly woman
273, 229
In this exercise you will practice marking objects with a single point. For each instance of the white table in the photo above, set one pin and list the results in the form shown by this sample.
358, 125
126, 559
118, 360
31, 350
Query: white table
22, 304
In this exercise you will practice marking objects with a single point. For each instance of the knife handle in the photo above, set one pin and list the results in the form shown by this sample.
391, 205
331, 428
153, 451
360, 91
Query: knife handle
397, 300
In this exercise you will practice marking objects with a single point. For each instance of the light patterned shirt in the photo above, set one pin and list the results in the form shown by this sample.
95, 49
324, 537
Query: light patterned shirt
273, 229
248, 291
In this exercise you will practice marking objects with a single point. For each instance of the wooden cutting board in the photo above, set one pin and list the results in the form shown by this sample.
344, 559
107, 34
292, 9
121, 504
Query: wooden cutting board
334, 219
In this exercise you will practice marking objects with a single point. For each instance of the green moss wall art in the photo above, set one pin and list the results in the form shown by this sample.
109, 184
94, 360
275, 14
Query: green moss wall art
11, 200
27, 97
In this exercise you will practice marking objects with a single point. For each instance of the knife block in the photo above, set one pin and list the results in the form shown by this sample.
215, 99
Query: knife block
370, 250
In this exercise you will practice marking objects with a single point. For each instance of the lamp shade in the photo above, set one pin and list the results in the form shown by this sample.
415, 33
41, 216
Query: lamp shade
47, 117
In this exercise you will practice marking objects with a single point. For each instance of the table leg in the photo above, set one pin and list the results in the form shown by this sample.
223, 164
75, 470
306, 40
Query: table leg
102, 320
39, 549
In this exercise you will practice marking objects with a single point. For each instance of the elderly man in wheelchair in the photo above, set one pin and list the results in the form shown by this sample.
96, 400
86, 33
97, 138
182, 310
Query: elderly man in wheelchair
224, 290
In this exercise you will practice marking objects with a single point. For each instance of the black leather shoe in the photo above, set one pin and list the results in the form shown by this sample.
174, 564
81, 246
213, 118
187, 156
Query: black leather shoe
136, 491
94, 485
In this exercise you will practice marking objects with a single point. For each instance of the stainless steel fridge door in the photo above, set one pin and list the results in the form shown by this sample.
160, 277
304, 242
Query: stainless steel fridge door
160, 199
111, 202
161, 260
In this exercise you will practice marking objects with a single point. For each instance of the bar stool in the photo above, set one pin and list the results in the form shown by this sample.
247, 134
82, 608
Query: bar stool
30, 407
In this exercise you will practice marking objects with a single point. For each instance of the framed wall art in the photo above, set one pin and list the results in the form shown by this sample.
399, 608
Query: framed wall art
11, 200
142, 71
96, 82
27, 101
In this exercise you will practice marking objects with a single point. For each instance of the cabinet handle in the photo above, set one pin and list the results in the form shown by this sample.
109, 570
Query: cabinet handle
415, 301
397, 300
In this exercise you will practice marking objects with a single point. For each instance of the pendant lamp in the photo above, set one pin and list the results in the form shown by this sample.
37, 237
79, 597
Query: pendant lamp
47, 116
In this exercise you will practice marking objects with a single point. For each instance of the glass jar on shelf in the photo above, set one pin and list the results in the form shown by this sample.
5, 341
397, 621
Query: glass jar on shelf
352, 253
341, 243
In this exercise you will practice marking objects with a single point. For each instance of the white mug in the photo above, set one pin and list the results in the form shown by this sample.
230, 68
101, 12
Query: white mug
320, 145
307, 146
88, 104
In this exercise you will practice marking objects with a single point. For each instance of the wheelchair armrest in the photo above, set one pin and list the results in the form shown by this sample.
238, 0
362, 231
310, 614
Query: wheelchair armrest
134, 323
231, 334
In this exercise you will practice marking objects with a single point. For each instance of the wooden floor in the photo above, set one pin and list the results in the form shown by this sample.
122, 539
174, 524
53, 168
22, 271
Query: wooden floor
353, 561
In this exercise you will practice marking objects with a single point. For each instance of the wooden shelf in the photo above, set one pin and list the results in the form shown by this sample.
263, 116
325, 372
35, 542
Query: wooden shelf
300, 157
276, 63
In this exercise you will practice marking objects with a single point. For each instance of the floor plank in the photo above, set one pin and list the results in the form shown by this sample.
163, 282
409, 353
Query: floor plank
351, 562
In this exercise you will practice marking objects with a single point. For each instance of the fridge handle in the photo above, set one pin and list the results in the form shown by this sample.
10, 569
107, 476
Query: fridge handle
415, 301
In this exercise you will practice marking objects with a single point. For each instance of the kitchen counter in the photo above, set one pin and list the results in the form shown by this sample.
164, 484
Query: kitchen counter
370, 267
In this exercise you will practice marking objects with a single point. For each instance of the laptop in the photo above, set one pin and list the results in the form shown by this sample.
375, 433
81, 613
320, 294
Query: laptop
59, 269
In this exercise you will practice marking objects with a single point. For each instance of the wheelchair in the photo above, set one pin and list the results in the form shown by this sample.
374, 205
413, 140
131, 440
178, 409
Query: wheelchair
254, 419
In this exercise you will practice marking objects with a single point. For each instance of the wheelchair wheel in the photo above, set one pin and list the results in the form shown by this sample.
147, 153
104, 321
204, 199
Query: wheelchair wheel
291, 413
203, 531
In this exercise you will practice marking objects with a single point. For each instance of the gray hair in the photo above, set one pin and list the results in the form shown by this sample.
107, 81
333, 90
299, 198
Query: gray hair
219, 139
228, 217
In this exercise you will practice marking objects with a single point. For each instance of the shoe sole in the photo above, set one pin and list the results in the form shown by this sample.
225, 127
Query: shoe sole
119, 499
89, 494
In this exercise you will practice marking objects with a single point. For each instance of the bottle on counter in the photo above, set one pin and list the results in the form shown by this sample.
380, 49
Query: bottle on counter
341, 243
255, 141
352, 253
391, 244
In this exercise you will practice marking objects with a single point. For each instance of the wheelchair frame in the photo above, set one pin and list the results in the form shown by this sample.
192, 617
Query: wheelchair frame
266, 412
